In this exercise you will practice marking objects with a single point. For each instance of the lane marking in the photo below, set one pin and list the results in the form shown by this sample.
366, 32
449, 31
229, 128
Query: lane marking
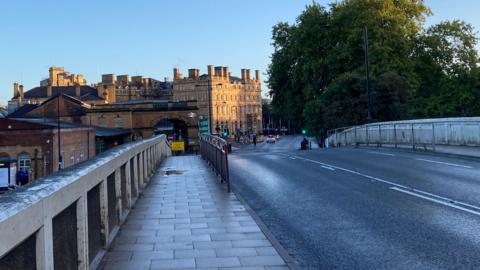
445, 163
327, 167
380, 153
398, 186
449, 204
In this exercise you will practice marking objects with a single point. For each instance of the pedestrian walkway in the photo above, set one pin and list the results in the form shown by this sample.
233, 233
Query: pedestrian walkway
186, 220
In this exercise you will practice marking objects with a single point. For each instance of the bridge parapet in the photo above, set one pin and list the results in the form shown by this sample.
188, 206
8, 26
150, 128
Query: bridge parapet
68, 219
421, 133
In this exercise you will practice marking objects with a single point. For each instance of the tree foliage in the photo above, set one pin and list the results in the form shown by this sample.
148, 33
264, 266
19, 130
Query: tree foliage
316, 76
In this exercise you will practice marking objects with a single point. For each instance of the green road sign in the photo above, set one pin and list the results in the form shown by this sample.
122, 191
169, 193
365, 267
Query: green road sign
203, 125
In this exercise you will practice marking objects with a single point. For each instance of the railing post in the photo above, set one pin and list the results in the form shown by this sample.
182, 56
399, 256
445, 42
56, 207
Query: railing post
355, 136
366, 135
395, 134
380, 135
227, 173
433, 136
44, 245
413, 138
82, 232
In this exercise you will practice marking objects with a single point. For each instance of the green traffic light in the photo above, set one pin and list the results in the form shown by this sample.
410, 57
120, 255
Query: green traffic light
304, 131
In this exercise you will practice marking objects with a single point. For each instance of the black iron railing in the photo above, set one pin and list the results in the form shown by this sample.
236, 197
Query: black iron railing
215, 151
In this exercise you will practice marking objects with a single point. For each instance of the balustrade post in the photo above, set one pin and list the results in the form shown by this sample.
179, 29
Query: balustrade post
413, 138
433, 137
44, 245
82, 232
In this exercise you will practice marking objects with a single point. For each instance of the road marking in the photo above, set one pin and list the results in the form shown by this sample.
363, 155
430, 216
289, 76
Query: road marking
327, 167
445, 163
292, 157
442, 202
398, 186
380, 153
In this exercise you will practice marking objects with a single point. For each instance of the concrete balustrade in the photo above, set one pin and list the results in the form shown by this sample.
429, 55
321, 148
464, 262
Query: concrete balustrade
68, 219
424, 133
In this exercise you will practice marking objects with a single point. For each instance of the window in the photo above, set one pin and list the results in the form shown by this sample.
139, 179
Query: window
24, 162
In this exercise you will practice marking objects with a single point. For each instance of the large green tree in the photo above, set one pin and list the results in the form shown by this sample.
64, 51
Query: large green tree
317, 71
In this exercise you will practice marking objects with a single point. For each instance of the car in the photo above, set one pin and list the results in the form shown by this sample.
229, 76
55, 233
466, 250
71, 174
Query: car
270, 139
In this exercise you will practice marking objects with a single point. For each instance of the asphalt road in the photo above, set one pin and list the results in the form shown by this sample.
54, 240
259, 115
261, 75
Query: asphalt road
363, 208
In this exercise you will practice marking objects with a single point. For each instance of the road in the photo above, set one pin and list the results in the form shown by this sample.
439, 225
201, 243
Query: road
364, 208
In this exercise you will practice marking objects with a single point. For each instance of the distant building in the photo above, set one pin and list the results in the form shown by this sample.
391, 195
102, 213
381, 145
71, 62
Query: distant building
136, 87
235, 103
33, 143
59, 82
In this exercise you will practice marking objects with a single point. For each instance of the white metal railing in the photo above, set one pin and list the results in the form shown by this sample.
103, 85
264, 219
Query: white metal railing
68, 219
424, 133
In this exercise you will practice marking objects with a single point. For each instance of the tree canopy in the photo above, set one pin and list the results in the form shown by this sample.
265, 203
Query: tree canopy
316, 76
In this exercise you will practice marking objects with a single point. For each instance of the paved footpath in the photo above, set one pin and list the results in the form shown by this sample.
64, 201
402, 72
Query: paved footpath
187, 220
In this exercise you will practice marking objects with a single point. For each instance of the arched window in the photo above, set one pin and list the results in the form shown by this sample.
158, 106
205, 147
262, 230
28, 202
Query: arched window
24, 162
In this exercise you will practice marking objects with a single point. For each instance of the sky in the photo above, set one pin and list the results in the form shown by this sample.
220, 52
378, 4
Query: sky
151, 37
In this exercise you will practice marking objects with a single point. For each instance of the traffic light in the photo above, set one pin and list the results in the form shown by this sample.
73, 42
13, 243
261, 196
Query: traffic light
304, 131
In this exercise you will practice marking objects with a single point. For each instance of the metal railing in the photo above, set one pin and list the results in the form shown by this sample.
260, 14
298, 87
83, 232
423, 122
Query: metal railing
70, 218
215, 150
423, 133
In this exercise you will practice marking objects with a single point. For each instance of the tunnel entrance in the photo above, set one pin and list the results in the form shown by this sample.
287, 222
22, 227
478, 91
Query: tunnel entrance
175, 130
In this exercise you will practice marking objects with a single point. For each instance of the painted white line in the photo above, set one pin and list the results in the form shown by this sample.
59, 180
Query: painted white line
453, 202
380, 153
327, 167
292, 157
436, 201
445, 163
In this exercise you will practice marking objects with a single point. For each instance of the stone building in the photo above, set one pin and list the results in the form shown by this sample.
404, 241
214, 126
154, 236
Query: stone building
234, 103
33, 143
136, 87
59, 82
59, 77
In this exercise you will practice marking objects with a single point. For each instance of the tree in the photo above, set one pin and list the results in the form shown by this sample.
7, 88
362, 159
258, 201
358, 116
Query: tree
390, 97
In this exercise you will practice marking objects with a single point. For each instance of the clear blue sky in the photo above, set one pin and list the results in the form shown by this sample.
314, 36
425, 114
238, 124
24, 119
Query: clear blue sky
149, 37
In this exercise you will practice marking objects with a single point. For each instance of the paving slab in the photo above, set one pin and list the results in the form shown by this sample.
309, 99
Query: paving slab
189, 221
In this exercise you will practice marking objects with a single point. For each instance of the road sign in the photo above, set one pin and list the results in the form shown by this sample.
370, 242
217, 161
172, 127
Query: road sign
178, 146
203, 125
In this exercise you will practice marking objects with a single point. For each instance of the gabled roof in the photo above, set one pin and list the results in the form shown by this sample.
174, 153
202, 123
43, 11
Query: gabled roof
86, 92
20, 112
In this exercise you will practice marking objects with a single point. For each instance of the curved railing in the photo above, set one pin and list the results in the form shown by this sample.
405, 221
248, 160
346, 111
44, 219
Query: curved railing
215, 150
424, 133
68, 219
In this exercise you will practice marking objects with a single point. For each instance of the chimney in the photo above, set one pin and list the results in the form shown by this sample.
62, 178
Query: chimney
244, 74
77, 90
16, 89
49, 91
210, 71
219, 71
226, 73
165, 79
191, 73
176, 74
257, 75
248, 74
20, 91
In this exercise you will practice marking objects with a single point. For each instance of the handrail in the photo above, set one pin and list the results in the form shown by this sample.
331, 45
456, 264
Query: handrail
94, 195
215, 151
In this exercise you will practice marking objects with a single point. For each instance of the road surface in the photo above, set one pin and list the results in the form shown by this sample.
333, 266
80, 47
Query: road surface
363, 208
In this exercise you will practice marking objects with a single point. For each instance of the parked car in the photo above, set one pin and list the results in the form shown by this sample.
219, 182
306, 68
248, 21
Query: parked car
270, 139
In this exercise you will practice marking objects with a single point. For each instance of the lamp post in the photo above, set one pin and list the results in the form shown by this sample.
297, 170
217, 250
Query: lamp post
367, 75
60, 158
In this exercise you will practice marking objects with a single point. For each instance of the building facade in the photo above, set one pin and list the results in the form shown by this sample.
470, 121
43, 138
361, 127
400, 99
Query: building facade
233, 103
36, 153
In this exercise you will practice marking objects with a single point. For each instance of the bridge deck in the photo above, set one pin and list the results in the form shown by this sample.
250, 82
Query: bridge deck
186, 220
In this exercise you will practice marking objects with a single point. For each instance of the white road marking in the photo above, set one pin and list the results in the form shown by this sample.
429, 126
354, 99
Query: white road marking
445, 163
380, 153
457, 204
446, 203
327, 167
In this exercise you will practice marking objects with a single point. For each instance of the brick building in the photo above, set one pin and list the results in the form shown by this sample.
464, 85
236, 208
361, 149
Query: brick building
235, 103
33, 143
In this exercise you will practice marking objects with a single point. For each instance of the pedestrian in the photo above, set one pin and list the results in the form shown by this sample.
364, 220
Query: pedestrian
254, 140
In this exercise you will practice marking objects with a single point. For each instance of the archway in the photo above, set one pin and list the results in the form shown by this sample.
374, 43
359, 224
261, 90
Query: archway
175, 129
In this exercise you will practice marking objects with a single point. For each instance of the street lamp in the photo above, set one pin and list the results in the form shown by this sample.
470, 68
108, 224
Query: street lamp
367, 75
